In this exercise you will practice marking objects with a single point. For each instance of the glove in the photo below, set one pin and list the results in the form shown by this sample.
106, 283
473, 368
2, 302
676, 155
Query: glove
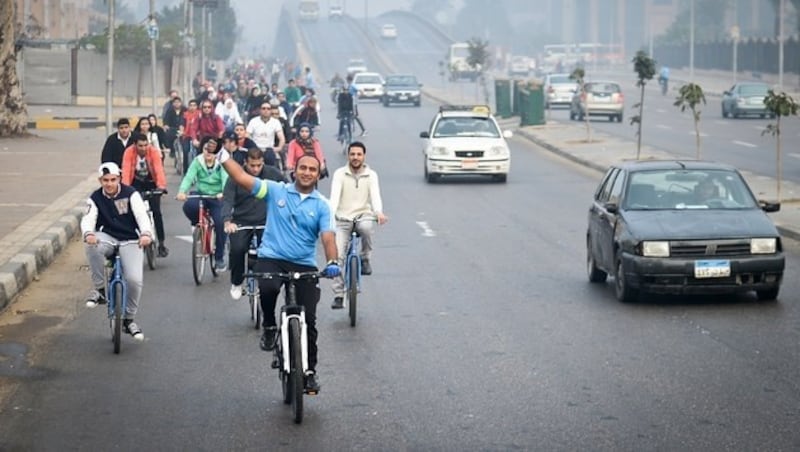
223, 155
332, 270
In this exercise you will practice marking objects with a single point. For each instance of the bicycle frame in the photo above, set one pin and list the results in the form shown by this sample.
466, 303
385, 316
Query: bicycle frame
205, 222
115, 281
353, 249
289, 311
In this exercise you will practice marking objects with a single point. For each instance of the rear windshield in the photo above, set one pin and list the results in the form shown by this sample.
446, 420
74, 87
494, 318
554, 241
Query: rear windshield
402, 81
561, 79
368, 79
602, 87
753, 90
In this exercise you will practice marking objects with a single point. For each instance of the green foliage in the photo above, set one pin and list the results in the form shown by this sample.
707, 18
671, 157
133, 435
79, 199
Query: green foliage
478, 54
690, 96
578, 75
708, 26
780, 105
644, 66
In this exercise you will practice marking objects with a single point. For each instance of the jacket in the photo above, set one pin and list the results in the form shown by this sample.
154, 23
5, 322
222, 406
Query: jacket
296, 151
154, 166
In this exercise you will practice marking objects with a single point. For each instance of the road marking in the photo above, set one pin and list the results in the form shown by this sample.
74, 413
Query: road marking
794, 154
702, 134
660, 110
26, 204
426, 230
662, 126
720, 121
185, 238
744, 143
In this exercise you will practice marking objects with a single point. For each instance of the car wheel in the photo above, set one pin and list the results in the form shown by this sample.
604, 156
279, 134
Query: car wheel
619, 117
429, 177
417, 103
763, 116
625, 293
502, 178
724, 112
595, 274
768, 295
611, 118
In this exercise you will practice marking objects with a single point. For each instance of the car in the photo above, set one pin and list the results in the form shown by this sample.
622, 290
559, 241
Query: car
335, 12
356, 65
745, 98
388, 31
558, 90
465, 139
519, 66
369, 85
600, 99
401, 89
682, 227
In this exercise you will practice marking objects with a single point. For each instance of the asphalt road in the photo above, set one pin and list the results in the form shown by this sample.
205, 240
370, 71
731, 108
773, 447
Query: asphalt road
478, 331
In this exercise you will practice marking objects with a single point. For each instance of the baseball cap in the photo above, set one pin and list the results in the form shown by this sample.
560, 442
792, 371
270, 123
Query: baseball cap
109, 168
229, 136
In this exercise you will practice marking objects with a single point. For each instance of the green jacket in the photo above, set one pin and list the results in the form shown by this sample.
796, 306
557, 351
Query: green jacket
207, 181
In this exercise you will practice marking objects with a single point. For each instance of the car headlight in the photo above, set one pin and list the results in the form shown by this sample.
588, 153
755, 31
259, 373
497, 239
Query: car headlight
438, 150
655, 249
498, 150
763, 246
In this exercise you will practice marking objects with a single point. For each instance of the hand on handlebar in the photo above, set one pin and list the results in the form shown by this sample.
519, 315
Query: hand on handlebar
230, 228
145, 240
332, 270
382, 219
181, 197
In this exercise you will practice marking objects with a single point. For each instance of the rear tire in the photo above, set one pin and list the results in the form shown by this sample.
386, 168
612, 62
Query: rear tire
255, 305
352, 289
150, 253
768, 295
198, 256
212, 240
595, 274
296, 376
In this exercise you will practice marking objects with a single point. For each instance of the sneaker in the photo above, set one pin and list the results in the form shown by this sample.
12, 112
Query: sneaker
236, 291
311, 383
364, 133
268, 338
133, 329
96, 297
221, 265
366, 269
338, 303
162, 251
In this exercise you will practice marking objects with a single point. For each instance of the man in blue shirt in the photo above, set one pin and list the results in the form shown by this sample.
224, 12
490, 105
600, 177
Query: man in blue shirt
297, 214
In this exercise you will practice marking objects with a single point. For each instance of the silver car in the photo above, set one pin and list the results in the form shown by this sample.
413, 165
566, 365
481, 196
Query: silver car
558, 89
746, 98
600, 99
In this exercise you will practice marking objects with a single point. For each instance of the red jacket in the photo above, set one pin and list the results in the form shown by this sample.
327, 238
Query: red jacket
153, 159
209, 126
190, 123
296, 151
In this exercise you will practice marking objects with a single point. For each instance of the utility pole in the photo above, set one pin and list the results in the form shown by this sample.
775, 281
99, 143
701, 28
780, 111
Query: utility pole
152, 31
780, 44
691, 41
203, 41
110, 67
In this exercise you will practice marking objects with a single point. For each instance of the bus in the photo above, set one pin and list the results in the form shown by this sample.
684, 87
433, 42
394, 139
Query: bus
458, 62
309, 10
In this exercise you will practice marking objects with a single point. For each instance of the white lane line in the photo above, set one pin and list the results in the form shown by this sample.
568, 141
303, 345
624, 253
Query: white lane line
662, 126
794, 155
661, 110
185, 238
744, 143
426, 230
702, 134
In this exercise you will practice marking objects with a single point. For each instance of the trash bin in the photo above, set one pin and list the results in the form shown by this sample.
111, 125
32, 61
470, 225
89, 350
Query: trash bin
515, 97
532, 104
502, 97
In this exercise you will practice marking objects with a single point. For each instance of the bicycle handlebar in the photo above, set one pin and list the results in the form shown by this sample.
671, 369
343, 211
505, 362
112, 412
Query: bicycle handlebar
117, 244
286, 276
152, 193
201, 196
249, 228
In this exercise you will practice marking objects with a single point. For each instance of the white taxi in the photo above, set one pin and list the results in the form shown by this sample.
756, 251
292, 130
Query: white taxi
466, 140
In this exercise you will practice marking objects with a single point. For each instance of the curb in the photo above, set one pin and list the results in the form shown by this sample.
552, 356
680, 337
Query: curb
65, 124
26, 265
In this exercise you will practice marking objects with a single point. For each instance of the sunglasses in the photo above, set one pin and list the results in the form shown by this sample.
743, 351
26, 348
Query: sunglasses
206, 107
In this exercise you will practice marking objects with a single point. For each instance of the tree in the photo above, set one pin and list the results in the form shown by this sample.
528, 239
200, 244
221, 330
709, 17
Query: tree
13, 114
691, 96
708, 25
645, 68
478, 61
779, 105
579, 75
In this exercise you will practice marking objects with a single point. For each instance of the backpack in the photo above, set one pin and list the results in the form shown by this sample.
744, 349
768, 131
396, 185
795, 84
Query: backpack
345, 101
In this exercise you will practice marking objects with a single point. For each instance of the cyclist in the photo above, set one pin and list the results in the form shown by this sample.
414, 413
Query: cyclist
116, 143
298, 215
264, 129
208, 177
303, 144
663, 79
351, 88
241, 208
355, 191
143, 169
115, 213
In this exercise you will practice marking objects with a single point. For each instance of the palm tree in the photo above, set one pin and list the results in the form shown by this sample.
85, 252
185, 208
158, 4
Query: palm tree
13, 115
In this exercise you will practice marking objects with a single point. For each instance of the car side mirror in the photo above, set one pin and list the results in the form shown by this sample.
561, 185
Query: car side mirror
508, 134
611, 207
726, 93
424, 135
770, 206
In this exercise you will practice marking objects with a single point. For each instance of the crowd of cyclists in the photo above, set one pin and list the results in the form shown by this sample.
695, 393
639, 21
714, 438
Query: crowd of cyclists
252, 147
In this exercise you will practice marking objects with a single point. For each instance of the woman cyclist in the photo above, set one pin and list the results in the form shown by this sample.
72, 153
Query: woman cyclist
146, 128
208, 177
304, 144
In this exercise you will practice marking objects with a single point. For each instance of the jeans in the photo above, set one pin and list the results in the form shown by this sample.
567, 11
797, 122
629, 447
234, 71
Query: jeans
307, 296
240, 243
343, 230
132, 268
191, 208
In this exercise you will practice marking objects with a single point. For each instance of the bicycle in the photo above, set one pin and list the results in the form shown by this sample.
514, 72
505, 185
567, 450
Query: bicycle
177, 149
291, 351
346, 131
251, 284
150, 250
116, 291
352, 269
203, 241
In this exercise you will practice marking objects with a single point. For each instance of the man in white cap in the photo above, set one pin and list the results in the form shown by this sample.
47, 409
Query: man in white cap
116, 213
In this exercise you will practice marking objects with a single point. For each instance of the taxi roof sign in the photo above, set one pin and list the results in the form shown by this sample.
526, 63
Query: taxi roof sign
482, 110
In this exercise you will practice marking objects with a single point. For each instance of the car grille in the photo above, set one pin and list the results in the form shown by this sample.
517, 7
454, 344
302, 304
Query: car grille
710, 248
465, 154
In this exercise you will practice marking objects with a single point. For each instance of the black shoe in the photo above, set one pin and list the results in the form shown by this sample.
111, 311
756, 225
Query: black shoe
133, 329
366, 269
96, 297
338, 303
268, 338
162, 251
311, 384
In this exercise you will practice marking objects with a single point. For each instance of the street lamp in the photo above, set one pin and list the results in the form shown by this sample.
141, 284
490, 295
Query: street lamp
780, 44
691, 41
735, 34
152, 32
110, 67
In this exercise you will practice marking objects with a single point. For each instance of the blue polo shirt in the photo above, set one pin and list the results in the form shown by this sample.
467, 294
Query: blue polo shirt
294, 223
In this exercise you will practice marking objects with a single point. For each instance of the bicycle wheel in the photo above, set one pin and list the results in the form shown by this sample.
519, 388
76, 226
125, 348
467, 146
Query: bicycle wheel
198, 255
116, 321
178, 150
352, 288
255, 303
296, 385
150, 254
210, 248
283, 375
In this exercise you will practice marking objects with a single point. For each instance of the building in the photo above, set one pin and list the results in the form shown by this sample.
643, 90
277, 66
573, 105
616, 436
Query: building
54, 19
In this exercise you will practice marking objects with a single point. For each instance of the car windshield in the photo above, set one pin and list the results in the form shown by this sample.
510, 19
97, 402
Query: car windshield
668, 189
466, 127
561, 79
356, 62
401, 81
753, 90
367, 79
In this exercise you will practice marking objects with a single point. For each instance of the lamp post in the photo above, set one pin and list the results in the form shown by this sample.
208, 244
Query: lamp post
691, 41
152, 32
110, 67
780, 44
735, 34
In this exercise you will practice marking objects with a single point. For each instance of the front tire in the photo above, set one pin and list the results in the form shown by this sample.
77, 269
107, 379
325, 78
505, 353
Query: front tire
212, 240
768, 294
624, 291
117, 320
150, 254
296, 384
352, 288
198, 256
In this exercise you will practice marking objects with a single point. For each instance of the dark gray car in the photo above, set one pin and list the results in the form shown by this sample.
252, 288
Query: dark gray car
682, 227
401, 89
746, 98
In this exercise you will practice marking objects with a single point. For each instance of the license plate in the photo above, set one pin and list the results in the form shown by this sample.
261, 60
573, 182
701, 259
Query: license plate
712, 269
755, 101
402, 97
469, 163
